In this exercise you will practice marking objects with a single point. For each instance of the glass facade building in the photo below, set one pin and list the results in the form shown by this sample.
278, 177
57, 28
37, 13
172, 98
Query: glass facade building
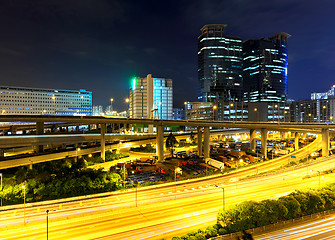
265, 65
219, 65
151, 98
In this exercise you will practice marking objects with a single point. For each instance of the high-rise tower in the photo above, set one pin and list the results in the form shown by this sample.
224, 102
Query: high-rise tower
219, 65
265, 67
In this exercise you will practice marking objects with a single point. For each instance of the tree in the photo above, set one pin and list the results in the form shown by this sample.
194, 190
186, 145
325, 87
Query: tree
171, 141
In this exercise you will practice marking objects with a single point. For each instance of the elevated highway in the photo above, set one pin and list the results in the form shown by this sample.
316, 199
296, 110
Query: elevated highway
203, 130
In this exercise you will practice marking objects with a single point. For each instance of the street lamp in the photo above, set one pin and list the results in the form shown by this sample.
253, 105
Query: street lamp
256, 110
77, 150
309, 115
54, 99
319, 177
223, 204
1, 188
111, 106
273, 115
24, 203
214, 108
176, 169
324, 112
136, 183
47, 211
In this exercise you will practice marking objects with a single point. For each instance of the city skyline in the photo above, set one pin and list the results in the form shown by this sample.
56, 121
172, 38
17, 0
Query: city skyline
100, 46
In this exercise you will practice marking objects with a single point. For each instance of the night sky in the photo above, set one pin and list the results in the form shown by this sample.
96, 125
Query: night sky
99, 45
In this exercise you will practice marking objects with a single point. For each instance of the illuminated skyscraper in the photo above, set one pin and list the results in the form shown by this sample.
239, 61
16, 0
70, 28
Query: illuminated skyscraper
265, 68
151, 98
219, 65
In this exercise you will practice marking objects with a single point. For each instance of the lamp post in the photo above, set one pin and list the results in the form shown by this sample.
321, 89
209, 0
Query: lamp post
111, 110
223, 205
324, 111
136, 183
319, 177
309, 115
127, 100
24, 203
77, 150
47, 211
54, 99
273, 116
257, 114
176, 169
1, 188
214, 108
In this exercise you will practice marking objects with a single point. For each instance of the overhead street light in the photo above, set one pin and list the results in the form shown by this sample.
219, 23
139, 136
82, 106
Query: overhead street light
1, 189
24, 203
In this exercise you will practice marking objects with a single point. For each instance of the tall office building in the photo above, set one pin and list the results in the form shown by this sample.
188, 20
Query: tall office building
151, 98
38, 101
219, 65
265, 68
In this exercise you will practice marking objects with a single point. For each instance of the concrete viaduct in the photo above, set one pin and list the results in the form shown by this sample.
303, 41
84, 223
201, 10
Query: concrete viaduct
203, 129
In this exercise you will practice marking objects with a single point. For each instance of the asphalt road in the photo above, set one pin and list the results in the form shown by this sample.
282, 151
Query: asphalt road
322, 229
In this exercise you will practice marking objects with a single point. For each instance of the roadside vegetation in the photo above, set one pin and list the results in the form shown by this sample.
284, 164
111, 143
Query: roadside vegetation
252, 214
57, 179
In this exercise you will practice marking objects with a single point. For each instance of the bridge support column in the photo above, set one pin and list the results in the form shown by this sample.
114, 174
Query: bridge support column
39, 131
206, 142
253, 140
160, 142
264, 136
199, 129
151, 128
296, 141
325, 142
12, 130
102, 140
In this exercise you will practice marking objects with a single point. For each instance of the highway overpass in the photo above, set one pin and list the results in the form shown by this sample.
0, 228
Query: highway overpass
203, 129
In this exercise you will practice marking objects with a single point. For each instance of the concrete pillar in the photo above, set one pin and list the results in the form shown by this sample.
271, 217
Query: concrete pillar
206, 142
285, 135
160, 142
102, 140
253, 140
296, 141
199, 141
325, 142
264, 136
2, 153
12, 130
151, 128
39, 131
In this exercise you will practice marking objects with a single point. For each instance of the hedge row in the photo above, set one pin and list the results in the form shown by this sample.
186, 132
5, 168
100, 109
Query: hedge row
252, 214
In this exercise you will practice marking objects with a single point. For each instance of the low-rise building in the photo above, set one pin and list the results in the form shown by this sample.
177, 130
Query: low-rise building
38, 101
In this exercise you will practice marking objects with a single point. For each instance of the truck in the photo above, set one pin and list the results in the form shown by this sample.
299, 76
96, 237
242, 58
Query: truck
248, 158
215, 163
237, 154
146, 161
221, 159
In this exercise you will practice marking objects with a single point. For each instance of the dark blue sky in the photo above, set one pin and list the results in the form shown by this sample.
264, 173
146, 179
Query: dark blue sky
99, 45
